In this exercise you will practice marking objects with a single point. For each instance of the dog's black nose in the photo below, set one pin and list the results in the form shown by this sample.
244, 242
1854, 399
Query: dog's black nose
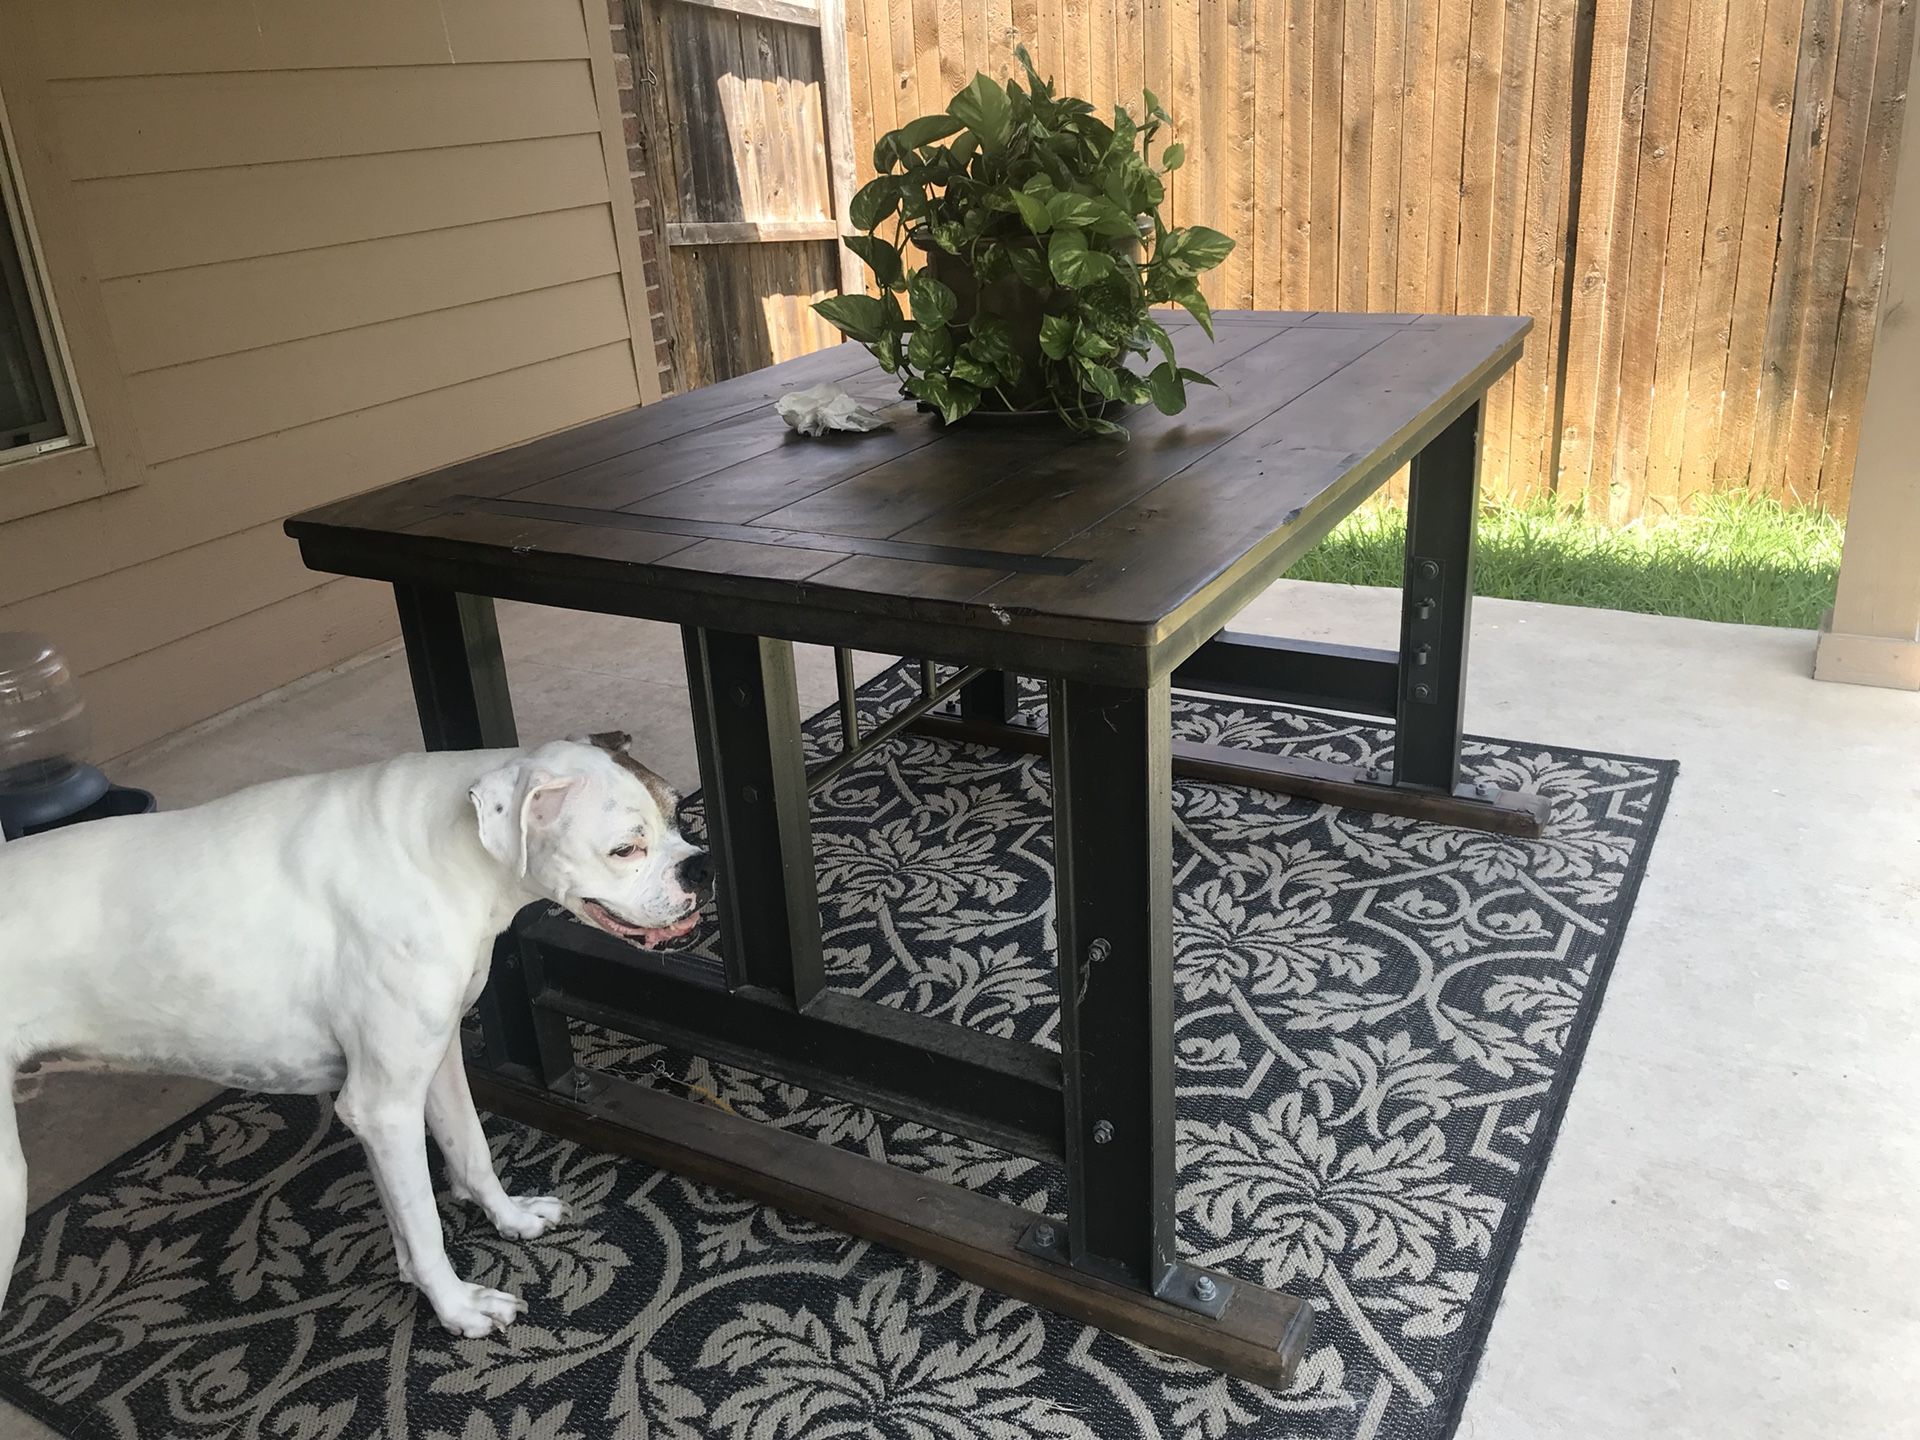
696, 871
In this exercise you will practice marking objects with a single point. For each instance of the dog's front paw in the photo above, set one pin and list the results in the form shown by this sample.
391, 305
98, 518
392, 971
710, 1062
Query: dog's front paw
526, 1217
474, 1310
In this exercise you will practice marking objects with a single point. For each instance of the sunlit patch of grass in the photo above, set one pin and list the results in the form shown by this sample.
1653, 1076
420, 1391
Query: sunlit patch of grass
1752, 561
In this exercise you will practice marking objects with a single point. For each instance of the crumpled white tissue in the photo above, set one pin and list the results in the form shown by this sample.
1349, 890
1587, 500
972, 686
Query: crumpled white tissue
822, 408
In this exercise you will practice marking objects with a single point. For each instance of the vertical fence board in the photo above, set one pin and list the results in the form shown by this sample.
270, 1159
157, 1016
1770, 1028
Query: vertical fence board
1812, 102
1685, 252
1759, 245
1075, 75
1646, 270
1506, 230
1860, 307
1272, 109
1530, 456
1229, 207
1358, 107
1415, 201
996, 51
1622, 30
1446, 171
1480, 148
1710, 327
1323, 258
1296, 158
1103, 57
1129, 40
1389, 139
1824, 297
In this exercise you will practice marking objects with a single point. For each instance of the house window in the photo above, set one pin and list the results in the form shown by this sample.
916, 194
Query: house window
35, 410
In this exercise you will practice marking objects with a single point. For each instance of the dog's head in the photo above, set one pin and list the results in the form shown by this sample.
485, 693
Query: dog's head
589, 827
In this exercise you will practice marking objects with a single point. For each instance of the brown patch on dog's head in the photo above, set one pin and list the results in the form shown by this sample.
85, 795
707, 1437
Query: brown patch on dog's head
619, 745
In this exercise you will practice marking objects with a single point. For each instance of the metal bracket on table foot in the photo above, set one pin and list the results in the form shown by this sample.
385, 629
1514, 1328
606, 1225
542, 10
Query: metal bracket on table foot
1201, 1291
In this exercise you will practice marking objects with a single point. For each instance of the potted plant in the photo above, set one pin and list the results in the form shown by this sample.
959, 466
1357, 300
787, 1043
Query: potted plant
1025, 234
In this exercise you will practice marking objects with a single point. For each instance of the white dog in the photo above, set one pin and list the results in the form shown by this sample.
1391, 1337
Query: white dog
327, 933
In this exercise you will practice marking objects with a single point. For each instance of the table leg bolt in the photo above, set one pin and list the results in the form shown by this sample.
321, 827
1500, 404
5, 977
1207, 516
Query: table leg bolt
1194, 1290
1045, 1236
1103, 1132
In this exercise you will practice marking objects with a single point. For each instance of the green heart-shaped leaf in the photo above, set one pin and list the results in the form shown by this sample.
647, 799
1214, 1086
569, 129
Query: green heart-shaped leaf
986, 109
881, 258
1056, 336
1100, 379
1031, 266
1073, 264
1033, 211
858, 317
930, 347
873, 202
1169, 392
1198, 246
933, 303
1067, 208
1196, 305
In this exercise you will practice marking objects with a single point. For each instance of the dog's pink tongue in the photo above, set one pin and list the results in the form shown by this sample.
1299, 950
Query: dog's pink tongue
671, 932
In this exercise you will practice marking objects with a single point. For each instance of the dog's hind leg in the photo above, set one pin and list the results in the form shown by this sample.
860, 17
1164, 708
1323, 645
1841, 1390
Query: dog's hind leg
13, 1183
385, 1111
456, 1127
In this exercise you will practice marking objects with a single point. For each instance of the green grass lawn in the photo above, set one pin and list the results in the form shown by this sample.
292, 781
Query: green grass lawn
1739, 559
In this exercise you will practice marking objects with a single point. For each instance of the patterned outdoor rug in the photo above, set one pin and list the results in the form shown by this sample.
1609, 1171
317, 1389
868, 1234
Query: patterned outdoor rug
1379, 1025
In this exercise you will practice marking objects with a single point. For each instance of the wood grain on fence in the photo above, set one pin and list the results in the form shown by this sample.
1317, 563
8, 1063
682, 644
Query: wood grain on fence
1688, 196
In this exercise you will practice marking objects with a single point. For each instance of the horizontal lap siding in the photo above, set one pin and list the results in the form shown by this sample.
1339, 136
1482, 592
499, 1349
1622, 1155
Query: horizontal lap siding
335, 247
186, 502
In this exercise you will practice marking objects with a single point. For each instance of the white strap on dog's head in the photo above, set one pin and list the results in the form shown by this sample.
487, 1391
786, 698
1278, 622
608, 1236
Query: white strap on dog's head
514, 802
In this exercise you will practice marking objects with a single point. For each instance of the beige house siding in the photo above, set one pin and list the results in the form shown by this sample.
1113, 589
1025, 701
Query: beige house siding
299, 251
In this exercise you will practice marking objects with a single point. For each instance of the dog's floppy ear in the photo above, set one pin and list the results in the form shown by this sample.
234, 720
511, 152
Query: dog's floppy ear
614, 742
513, 802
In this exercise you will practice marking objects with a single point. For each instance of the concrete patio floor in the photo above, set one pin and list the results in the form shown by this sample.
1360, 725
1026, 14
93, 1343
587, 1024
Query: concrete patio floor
1727, 1242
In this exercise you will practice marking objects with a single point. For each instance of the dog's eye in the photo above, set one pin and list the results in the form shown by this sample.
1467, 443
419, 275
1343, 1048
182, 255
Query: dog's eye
627, 851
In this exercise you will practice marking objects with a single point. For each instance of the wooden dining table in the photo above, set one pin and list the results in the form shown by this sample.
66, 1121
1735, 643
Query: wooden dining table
1106, 569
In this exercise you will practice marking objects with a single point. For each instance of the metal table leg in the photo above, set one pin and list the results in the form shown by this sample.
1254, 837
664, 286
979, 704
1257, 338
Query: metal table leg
753, 775
1113, 914
1436, 607
460, 690
992, 696
459, 677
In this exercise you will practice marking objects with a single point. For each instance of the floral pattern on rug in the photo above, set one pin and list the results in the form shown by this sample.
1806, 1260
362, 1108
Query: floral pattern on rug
1378, 1022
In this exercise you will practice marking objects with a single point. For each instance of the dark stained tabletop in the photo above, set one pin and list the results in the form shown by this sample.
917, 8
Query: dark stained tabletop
704, 508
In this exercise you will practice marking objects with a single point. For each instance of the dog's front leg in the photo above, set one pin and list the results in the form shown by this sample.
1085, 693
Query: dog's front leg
389, 1118
456, 1128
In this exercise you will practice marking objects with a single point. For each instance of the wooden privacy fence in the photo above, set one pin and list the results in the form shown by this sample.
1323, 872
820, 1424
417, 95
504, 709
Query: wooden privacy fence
740, 111
1689, 196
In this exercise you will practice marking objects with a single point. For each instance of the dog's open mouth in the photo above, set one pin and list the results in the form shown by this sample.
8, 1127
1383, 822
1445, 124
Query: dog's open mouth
651, 936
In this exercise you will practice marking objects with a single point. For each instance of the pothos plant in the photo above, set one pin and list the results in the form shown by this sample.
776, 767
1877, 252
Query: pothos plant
1025, 233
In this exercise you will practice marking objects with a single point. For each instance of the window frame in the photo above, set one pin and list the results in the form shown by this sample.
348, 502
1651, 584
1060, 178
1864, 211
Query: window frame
54, 373
106, 457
